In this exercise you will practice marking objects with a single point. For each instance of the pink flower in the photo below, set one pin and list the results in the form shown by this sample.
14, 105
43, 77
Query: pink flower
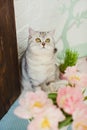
76, 78
48, 120
70, 71
80, 118
71, 75
32, 104
82, 83
68, 98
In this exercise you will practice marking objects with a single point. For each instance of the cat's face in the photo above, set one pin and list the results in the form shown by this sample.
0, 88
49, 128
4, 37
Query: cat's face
41, 40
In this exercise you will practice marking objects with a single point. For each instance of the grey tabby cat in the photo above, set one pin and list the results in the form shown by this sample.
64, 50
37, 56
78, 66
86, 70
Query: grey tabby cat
38, 62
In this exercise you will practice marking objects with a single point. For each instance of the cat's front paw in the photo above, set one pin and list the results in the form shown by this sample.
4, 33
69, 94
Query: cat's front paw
54, 86
49, 87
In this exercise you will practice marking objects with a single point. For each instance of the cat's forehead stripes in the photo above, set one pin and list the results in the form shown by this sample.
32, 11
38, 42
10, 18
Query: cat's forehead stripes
43, 34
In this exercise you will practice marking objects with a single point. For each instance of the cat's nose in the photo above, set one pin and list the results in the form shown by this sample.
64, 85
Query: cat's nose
43, 43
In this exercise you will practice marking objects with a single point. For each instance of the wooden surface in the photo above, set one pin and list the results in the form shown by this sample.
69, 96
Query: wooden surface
9, 73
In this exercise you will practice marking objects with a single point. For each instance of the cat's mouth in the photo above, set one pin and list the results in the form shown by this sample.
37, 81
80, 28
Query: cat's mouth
43, 47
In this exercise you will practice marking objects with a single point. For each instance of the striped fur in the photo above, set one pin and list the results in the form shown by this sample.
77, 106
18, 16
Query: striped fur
38, 62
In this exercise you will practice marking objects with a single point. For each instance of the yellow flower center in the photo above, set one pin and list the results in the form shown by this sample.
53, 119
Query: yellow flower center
75, 77
62, 101
38, 104
80, 125
45, 123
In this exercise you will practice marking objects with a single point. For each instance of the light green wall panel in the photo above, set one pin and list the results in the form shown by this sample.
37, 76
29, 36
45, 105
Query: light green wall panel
74, 31
82, 49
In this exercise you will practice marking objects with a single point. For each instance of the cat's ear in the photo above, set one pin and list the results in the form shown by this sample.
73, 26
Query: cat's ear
52, 33
31, 32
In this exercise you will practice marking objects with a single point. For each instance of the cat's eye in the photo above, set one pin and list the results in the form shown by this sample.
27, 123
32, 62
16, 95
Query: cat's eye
38, 40
47, 40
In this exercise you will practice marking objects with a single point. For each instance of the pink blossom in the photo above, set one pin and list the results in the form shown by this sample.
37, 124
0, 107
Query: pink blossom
75, 78
32, 104
71, 75
48, 120
80, 118
70, 70
68, 98
82, 83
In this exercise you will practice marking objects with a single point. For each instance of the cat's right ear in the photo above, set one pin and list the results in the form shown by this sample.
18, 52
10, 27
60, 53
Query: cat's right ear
52, 33
31, 32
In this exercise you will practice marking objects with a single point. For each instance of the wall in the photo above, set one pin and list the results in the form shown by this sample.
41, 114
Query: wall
67, 17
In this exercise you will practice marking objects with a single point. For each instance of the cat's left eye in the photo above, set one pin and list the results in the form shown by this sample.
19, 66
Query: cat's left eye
47, 40
38, 40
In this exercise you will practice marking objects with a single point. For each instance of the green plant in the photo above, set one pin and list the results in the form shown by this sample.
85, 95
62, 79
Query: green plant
70, 59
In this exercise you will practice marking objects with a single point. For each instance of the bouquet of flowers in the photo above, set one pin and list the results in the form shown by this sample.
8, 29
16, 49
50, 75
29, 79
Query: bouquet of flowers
54, 111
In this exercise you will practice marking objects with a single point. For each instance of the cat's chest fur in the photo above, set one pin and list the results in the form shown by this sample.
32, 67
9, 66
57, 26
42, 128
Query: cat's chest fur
40, 67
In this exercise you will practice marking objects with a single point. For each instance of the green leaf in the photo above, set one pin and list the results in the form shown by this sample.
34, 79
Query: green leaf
31, 119
53, 97
85, 98
70, 59
83, 91
66, 122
